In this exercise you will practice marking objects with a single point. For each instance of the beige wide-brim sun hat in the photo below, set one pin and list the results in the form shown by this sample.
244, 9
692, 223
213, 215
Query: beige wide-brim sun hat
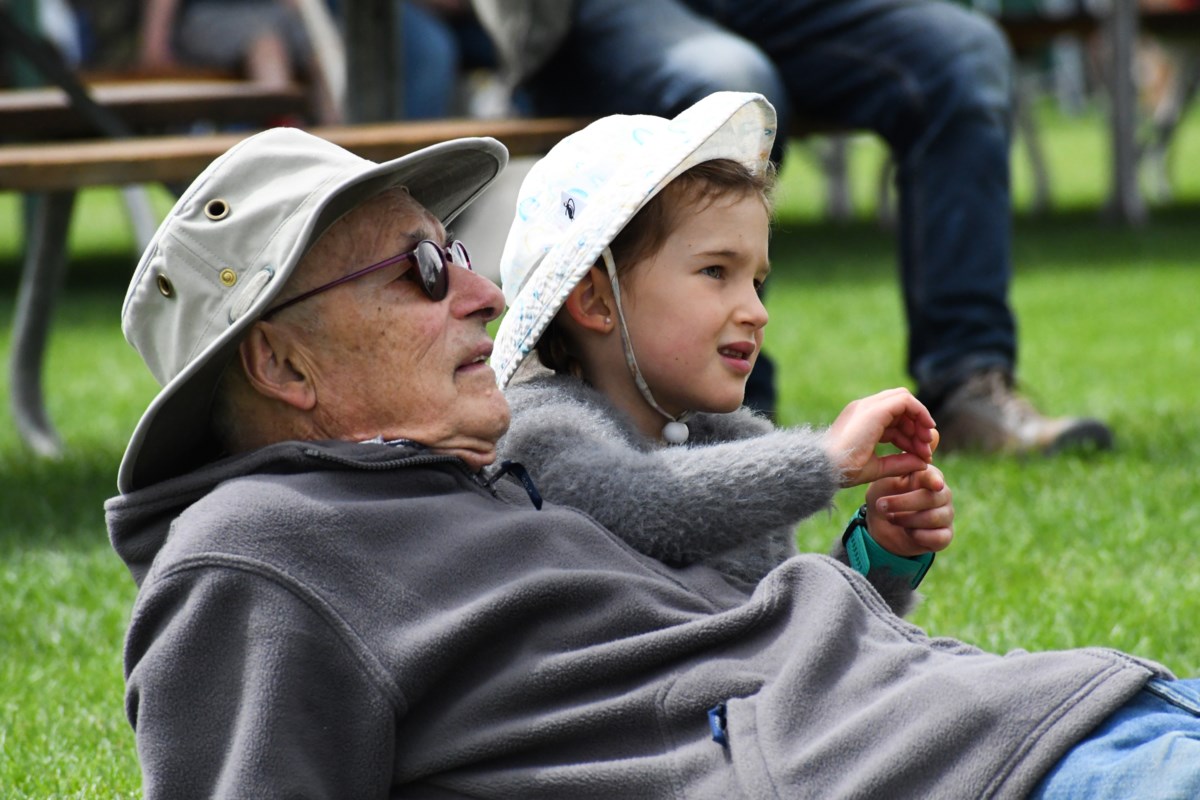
575, 201
226, 250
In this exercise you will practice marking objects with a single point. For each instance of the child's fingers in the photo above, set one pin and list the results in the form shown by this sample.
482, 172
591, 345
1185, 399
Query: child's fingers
932, 540
912, 436
899, 465
901, 483
938, 516
931, 529
890, 417
919, 499
930, 478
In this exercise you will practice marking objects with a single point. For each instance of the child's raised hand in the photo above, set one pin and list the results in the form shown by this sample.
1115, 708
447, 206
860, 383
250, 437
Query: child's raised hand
892, 417
912, 514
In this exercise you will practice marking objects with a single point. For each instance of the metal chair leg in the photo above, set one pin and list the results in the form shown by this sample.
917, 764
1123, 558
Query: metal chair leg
1027, 126
1127, 204
141, 214
41, 279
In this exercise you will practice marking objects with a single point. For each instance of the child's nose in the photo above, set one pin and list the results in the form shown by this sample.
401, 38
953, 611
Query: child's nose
754, 313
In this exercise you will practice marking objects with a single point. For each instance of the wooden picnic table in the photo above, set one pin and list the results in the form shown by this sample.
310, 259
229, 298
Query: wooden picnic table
68, 106
53, 172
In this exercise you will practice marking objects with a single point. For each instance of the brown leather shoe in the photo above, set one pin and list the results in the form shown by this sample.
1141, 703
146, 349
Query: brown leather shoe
986, 414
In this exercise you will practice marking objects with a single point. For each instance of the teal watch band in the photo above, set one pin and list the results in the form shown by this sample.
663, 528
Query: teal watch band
865, 553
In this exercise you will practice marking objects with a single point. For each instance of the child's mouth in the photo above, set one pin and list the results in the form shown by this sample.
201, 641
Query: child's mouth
739, 354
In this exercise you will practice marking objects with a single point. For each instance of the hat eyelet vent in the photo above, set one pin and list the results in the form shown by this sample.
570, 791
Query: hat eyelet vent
164, 285
216, 209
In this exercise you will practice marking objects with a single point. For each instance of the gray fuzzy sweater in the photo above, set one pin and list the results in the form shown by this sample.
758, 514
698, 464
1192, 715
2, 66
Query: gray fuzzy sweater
730, 498
361, 621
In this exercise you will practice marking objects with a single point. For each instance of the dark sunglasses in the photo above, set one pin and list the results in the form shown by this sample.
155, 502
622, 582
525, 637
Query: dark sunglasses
431, 260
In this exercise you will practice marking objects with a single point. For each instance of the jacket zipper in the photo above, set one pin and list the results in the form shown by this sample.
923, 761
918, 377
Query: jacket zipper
407, 461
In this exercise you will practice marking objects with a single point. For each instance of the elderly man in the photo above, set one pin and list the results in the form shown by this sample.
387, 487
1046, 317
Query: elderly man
337, 601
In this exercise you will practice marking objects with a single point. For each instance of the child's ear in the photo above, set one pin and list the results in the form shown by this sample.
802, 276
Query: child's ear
590, 303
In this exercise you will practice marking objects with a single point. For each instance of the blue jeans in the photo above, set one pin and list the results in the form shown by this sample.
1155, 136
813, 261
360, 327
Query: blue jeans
931, 78
1148, 749
429, 74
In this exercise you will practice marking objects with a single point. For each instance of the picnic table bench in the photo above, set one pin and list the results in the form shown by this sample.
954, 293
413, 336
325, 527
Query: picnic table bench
143, 105
56, 166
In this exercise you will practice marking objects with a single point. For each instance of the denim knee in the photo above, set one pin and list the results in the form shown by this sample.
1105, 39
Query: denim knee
1149, 748
981, 66
719, 61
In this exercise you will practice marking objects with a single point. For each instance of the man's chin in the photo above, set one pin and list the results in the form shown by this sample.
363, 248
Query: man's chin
484, 421
476, 449
475, 460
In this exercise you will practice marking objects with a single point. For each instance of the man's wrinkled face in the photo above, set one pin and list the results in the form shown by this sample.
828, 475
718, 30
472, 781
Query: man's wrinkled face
384, 359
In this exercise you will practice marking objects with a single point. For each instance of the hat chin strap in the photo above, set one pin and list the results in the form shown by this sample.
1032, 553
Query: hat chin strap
676, 430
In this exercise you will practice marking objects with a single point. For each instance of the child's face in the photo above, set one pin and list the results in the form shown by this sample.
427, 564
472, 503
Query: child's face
693, 308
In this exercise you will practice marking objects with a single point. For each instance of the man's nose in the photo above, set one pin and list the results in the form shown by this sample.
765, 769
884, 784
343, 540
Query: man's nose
471, 294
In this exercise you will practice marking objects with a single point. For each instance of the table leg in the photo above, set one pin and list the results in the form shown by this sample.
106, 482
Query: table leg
41, 280
1127, 204
371, 29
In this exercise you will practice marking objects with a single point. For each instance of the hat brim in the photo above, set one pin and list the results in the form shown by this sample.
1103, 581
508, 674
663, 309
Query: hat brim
173, 435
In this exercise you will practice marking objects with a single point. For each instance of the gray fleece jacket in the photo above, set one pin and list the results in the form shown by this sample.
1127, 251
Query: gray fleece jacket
730, 498
366, 621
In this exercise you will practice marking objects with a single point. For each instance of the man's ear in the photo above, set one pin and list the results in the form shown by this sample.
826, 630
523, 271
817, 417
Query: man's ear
590, 304
271, 367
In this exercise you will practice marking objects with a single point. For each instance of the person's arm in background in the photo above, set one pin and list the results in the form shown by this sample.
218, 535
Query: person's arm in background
327, 60
158, 23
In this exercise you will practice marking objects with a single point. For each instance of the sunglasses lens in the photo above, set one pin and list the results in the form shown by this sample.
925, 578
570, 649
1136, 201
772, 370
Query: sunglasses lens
458, 255
433, 270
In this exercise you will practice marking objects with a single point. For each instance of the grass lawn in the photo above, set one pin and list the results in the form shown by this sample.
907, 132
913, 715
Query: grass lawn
1078, 550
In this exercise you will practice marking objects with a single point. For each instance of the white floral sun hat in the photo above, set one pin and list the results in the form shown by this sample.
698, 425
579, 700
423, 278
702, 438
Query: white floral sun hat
575, 201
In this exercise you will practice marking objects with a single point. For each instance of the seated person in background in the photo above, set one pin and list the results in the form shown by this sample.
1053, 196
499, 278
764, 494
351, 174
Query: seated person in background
930, 77
635, 268
337, 598
446, 53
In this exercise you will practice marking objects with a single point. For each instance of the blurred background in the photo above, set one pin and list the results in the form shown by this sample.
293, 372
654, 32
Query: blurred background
1093, 548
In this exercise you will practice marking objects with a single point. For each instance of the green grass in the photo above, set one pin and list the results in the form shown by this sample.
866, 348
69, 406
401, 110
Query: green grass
1049, 553
64, 597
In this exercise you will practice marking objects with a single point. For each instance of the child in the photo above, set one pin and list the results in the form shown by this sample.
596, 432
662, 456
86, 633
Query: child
634, 267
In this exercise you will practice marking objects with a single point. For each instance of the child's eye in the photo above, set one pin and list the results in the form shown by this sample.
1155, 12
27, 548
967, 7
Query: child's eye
759, 287
713, 272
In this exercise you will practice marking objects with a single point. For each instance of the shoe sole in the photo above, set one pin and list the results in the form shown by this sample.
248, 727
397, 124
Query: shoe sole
1089, 434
